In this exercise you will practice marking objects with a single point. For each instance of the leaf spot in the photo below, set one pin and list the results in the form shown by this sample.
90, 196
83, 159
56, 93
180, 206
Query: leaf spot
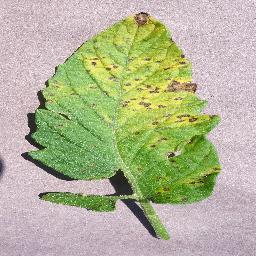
145, 104
177, 86
141, 18
193, 119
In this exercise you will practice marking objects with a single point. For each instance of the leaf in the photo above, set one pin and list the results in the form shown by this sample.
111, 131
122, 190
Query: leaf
91, 202
125, 100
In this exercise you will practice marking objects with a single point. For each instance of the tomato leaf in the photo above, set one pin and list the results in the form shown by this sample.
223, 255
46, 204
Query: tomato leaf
125, 100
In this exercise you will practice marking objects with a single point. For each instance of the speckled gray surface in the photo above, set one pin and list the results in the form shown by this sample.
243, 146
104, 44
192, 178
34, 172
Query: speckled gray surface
219, 38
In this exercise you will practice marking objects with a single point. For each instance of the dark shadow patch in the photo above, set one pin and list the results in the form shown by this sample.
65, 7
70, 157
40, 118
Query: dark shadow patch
47, 169
1, 167
32, 126
122, 187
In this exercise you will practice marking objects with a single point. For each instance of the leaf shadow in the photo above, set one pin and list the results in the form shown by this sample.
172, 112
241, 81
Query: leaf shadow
1, 167
32, 126
122, 187
118, 181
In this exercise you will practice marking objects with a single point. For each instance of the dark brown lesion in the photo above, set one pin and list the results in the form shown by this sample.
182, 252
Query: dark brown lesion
145, 104
125, 103
183, 115
170, 154
192, 119
141, 18
177, 86
156, 90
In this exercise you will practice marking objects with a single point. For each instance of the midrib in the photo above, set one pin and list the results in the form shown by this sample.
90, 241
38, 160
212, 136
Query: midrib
126, 170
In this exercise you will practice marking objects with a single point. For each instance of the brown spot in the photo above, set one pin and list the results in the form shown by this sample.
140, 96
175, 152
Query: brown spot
139, 89
182, 62
95, 58
177, 86
93, 63
141, 18
147, 59
137, 79
158, 61
170, 154
145, 104
178, 98
153, 146
133, 99
115, 66
199, 181
167, 68
148, 86
127, 84
156, 90
183, 115
125, 103
179, 121
184, 199
168, 115
161, 139
155, 123
182, 56
108, 69
192, 119
161, 106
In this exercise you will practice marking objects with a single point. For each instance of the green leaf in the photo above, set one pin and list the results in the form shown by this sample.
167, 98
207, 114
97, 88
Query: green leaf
90, 202
125, 100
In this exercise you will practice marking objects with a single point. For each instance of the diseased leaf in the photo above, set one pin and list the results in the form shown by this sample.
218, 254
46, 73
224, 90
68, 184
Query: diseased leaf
125, 100
91, 202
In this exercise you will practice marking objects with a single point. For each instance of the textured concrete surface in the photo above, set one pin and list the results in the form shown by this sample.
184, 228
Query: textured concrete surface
219, 38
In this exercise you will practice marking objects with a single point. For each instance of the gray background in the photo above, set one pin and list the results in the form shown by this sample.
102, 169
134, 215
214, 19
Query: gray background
219, 38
